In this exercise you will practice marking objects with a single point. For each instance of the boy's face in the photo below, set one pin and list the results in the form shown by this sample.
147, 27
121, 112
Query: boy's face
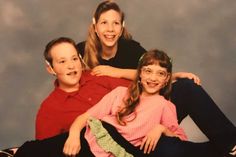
66, 66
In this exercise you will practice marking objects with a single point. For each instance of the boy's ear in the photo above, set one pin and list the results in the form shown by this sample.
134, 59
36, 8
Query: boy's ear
50, 69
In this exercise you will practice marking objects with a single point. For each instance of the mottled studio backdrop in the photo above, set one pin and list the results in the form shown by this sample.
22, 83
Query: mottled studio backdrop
200, 35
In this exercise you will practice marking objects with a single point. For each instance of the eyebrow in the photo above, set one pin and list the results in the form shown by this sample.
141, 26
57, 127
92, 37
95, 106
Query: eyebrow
71, 57
154, 70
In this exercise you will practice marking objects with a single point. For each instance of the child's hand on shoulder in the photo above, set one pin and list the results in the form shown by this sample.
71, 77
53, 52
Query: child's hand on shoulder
105, 70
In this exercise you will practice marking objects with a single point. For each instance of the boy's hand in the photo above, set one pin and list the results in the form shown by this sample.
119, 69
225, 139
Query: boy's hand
72, 146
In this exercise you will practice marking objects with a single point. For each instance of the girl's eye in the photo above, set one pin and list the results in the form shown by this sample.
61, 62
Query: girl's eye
147, 71
117, 23
162, 74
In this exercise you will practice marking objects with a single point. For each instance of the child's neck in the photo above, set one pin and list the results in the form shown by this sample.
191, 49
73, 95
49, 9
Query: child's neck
70, 89
108, 52
144, 94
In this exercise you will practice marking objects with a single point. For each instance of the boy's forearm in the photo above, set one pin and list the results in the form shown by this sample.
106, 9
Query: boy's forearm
78, 124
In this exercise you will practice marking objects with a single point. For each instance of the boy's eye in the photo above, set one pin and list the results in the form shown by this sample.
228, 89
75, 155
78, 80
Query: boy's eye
103, 22
148, 71
62, 61
76, 58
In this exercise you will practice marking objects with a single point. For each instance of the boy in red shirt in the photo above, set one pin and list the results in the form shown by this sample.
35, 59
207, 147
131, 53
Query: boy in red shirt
76, 90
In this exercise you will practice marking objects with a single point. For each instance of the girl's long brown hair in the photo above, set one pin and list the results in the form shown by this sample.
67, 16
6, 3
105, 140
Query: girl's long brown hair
93, 45
135, 89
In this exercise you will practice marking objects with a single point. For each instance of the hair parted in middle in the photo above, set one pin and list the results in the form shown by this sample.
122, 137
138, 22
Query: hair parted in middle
93, 45
135, 89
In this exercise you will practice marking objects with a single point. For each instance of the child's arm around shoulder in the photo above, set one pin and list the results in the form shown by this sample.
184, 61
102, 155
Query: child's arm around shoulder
72, 145
106, 70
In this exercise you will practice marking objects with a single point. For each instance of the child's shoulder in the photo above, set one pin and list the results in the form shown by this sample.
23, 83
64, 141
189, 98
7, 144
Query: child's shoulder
162, 101
120, 89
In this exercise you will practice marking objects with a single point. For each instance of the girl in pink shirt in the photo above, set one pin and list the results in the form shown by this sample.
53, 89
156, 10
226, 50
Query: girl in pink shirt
140, 113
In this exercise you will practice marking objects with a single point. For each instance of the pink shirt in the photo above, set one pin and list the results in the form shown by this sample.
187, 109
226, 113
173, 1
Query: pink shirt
152, 110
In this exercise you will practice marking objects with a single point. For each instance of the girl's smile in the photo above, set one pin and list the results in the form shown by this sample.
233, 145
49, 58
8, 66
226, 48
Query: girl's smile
153, 78
109, 29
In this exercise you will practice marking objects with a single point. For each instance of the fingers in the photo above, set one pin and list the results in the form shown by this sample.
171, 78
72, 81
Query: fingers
104, 70
154, 145
94, 72
97, 71
143, 143
196, 80
70, 151
148, 144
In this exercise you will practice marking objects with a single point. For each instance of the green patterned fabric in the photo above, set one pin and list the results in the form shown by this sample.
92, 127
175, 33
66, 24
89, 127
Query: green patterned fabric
104, 139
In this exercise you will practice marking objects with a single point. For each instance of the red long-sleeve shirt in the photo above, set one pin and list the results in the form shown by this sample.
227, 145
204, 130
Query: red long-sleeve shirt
60, 108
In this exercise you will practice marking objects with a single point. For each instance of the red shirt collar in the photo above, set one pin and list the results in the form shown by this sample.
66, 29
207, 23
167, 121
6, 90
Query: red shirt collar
63, 95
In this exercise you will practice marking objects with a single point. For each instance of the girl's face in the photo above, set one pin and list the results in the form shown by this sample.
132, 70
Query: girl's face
153, 79
66, 66
109, 28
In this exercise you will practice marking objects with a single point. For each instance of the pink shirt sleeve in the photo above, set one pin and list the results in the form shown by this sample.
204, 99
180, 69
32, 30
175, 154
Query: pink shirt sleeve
169, 119
115, 82
107, 103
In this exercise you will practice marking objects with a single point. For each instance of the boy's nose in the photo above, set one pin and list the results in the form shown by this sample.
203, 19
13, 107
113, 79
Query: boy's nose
71, 65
